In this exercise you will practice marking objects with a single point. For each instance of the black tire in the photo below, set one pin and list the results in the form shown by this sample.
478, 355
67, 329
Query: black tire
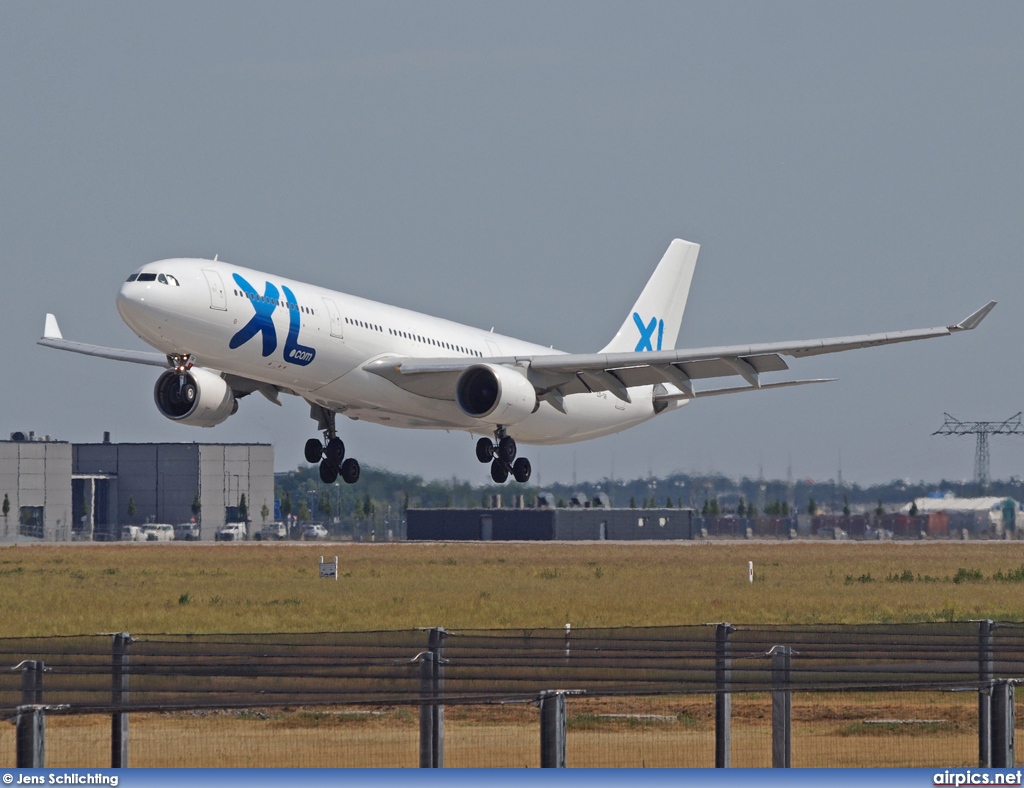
507, 449
521, 470
258, 537
350, 471
335, 452
328, 473
314, 450
484, 450
499, 472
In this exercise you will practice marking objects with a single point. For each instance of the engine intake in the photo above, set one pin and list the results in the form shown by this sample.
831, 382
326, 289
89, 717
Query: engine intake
203, 399
495, 394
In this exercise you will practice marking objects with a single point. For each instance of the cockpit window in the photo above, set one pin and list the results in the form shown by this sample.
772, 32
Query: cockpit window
172, 281
133, 277
147, 277
162, 279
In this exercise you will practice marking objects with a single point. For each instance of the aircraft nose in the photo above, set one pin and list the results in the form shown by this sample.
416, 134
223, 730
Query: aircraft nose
130, 300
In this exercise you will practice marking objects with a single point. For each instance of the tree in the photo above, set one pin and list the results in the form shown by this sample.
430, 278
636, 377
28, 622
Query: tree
705, 510
303, 512
741, 510
197, 508
751, 511
879, 510
7, 506
846, 506
368, 508
286, 506
668, 503
785, 509
243, 509
324, 505
132, 509
264, 511
913, 509
812, 507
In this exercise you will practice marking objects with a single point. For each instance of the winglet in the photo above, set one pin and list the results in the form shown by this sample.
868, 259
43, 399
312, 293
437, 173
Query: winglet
51, 330
972, 322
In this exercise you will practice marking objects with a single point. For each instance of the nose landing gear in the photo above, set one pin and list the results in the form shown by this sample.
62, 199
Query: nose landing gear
501, 454
332, 455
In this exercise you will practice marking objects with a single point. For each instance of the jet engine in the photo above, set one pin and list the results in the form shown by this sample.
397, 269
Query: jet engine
495, 394
198, 397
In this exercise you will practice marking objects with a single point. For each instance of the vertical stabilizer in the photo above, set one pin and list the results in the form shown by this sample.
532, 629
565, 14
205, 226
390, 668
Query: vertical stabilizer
653, 322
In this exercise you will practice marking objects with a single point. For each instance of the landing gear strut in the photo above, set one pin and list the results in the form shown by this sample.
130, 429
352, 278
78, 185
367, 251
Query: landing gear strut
331, 453
501, 454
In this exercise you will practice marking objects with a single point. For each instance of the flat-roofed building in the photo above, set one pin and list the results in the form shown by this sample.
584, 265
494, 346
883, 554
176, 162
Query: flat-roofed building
35, 486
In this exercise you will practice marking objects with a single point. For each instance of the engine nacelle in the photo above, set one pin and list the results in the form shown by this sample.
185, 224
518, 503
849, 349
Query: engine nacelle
495, 394
203, 400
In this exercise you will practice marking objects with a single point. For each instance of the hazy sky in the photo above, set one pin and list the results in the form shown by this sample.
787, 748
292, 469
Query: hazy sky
847, 168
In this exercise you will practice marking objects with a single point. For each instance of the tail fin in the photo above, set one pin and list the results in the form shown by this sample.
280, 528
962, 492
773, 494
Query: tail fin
653, 323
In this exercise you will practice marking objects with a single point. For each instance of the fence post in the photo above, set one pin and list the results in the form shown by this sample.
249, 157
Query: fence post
119, 699
426, 711
723, 698
31, 737
32, 682
552, 729
985, 658
436, 642
782, 707
1002, 724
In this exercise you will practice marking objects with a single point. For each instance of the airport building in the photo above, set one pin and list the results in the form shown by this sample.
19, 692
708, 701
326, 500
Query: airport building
550, 524
62, 491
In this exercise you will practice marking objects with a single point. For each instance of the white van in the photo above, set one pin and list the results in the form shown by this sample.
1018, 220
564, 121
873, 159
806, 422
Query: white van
232, 532
186, 532
158, 532
132, 533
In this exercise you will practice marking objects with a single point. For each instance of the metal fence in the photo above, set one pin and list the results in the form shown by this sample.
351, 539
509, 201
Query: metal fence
939, 694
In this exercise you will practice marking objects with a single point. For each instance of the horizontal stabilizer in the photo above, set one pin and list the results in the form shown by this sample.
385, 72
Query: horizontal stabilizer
738, 389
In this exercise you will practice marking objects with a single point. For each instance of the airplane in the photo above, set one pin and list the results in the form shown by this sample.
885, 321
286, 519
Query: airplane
224, 332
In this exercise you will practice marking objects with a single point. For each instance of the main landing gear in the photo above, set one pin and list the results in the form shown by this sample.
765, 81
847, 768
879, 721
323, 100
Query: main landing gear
501, 454
331, 453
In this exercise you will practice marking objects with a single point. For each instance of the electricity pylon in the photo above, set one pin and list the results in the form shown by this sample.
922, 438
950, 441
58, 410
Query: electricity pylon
982, 429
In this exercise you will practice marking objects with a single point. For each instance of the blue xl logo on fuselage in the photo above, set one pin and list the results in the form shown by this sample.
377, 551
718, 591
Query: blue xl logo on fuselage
262, 322
647, 333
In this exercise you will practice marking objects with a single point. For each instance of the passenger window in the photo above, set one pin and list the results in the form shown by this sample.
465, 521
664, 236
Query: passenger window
133, 277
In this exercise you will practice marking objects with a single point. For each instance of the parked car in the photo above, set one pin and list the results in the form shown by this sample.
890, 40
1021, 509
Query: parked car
132, 533
186, 532
271, 531
314, 531
232, 532
158, 532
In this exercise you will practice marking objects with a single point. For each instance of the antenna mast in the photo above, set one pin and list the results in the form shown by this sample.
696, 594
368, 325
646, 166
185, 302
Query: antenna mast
982, 429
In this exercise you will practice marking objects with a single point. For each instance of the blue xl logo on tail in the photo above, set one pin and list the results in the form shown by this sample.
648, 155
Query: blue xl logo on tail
262, 322
647, 332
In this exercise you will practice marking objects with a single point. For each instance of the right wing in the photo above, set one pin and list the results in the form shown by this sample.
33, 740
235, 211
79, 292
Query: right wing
558, 375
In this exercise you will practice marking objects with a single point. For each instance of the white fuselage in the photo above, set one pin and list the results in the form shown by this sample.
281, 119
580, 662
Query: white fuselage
313, 342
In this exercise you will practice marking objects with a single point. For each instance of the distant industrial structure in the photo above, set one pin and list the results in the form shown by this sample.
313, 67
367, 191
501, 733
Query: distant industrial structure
56, 490
982, 429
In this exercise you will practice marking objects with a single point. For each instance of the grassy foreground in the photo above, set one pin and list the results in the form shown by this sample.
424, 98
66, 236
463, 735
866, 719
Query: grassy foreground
82, 589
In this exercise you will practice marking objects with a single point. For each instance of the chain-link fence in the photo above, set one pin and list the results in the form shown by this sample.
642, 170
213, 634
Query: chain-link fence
719, 695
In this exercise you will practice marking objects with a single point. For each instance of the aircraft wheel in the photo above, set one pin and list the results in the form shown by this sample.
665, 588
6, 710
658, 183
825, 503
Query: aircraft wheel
314, 451
350, 471
335, 452
328, 473
507, 449
484, 450
499, 472
521, 470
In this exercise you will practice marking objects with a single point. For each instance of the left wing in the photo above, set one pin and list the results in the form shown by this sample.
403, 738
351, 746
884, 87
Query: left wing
558, 375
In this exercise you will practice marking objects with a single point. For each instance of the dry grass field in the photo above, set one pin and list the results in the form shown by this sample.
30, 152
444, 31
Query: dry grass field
143, 588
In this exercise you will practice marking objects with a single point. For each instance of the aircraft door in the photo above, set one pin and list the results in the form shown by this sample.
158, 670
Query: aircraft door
218, 298
336, 321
